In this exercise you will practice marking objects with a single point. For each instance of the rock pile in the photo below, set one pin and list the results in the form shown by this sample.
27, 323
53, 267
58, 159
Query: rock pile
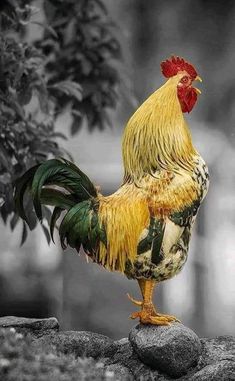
150, 353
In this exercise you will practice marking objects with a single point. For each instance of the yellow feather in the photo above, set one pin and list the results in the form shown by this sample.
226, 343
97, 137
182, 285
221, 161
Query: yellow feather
158, 157
124, 214
156, 136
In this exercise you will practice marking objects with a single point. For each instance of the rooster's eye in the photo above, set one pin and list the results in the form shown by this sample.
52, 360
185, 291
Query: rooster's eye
184, 80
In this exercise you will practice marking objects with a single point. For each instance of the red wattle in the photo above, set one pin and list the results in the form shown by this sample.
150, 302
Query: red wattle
187, 98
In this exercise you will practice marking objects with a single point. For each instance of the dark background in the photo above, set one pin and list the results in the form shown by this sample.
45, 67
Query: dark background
40, 281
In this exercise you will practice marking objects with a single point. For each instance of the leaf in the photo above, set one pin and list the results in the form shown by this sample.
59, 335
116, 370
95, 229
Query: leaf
4, 212
67, 153
42, 94
50, 9
102, 6
5, 178
21, 185
17, 108
14, 221
5, 160
69, 88
25, 96
76, 125
47, 27
59, 135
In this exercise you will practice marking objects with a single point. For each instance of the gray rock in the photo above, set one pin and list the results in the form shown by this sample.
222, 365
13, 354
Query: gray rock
120, 372
123, 350
125, 355
217, 361
127, 358
217, 349
37, 327
82, 343
221, 371
151, 353
171, 349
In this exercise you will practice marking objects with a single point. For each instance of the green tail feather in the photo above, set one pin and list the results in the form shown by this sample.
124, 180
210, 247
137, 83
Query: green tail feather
55, 216
81, 226
76, 194
65, 174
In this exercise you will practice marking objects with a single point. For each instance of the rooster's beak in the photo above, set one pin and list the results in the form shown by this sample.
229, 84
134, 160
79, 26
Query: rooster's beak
200, 80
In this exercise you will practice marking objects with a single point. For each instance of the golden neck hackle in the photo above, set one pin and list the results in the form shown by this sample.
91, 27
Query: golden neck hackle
157, 137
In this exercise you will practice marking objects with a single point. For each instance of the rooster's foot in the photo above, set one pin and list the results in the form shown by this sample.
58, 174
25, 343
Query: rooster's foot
169, 317
150, 316
136, 302
147, 318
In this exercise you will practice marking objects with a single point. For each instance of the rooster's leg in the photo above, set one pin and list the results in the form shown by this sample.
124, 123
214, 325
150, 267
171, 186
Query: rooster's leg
148, 313
138, 302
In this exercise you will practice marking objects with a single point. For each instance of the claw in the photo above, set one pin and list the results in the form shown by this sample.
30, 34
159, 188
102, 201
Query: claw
146, 318
148, 313
155, 320
136, 302
169, 317
135, 315
150, 317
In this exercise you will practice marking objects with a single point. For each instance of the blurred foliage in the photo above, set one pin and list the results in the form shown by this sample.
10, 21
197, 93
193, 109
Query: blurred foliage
21, 359
83, 46
69, 67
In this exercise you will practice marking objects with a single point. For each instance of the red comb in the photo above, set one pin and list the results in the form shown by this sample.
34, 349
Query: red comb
172, 66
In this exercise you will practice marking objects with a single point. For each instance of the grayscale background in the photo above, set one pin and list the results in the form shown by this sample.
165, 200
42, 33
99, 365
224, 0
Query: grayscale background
39, 281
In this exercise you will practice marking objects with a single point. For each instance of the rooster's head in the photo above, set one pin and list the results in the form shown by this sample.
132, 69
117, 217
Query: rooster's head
187, 94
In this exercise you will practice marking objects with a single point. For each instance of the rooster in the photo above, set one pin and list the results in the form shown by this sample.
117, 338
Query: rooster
143, 229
